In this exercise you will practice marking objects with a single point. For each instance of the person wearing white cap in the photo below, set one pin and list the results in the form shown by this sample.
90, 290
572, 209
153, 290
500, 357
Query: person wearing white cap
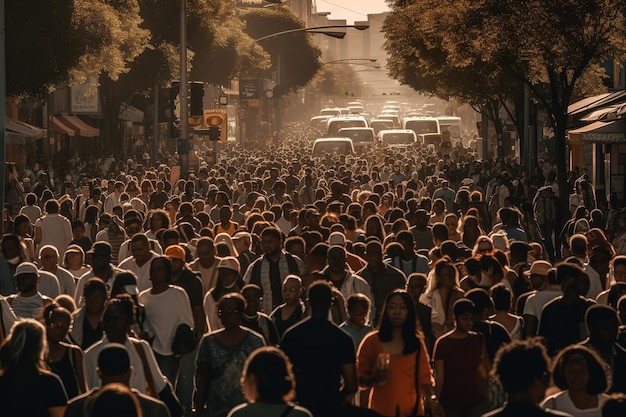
228, 280
355, 262
543, 279
28, 302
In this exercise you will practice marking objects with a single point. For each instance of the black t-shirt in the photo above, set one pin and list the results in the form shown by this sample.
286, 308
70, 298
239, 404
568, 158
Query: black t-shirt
283, 325
192, 285
31, 397
84, 242
563, 324
91, 335
495, 335
158, 199
318, 349
263, 325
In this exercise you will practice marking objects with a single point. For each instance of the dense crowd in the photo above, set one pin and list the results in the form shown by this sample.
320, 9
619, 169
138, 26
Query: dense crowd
399, 282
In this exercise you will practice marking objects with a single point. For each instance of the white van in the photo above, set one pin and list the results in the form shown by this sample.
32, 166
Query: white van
330, 112
340, 146
421, 125
319, 122
335, 123
363, 138
397, 137
451, 124
393, 117
381, 124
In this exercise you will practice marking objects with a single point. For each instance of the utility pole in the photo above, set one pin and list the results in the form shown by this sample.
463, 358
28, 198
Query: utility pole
184, 103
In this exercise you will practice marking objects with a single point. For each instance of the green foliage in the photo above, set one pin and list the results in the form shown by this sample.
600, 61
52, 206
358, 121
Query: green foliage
116, 21
217, 36
336, 80
41, 45
298, 57
487, 44
49, 42
478, 50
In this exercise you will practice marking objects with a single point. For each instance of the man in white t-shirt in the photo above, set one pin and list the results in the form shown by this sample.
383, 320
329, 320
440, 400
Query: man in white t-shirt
139, 262
49, 261
206, 263
113, 199
53, 228
548, 290
28, 302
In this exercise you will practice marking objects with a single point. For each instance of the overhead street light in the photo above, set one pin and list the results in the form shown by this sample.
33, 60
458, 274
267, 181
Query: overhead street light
337, 35
347, 60
377, 66
317, 29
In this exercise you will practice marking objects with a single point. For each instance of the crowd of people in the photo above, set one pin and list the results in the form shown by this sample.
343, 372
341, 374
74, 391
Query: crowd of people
397, 283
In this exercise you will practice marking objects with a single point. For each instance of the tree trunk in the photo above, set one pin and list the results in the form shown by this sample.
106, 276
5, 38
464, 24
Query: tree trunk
110, 110
560, 141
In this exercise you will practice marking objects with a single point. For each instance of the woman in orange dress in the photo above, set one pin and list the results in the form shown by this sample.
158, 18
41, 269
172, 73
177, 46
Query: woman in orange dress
394, 362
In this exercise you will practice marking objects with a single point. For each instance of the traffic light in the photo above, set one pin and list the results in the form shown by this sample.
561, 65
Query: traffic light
216, 121
196, 99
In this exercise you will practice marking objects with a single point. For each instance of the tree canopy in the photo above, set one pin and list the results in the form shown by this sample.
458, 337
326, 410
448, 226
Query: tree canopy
477, 49
295, 58
335, 81
47, 39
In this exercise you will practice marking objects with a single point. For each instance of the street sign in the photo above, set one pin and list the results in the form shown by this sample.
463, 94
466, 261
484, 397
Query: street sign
249, 88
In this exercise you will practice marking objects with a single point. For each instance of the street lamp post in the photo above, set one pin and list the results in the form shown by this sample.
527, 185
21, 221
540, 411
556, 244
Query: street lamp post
3, 93
184, 121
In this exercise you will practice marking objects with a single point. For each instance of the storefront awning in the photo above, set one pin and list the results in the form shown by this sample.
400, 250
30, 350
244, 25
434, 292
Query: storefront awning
603, 114
24, 129
600, 132
81, 128
14, 138
60, 127
131, 114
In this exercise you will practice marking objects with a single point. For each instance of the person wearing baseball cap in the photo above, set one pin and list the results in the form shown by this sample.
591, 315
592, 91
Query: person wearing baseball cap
190, 282
99, 257
228, 280
546, 287
28, 303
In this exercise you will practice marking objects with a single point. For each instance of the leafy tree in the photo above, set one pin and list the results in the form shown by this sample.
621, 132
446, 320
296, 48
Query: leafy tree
217, 45
295, 58
217, 48
335, 81
499, 45
49, 41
